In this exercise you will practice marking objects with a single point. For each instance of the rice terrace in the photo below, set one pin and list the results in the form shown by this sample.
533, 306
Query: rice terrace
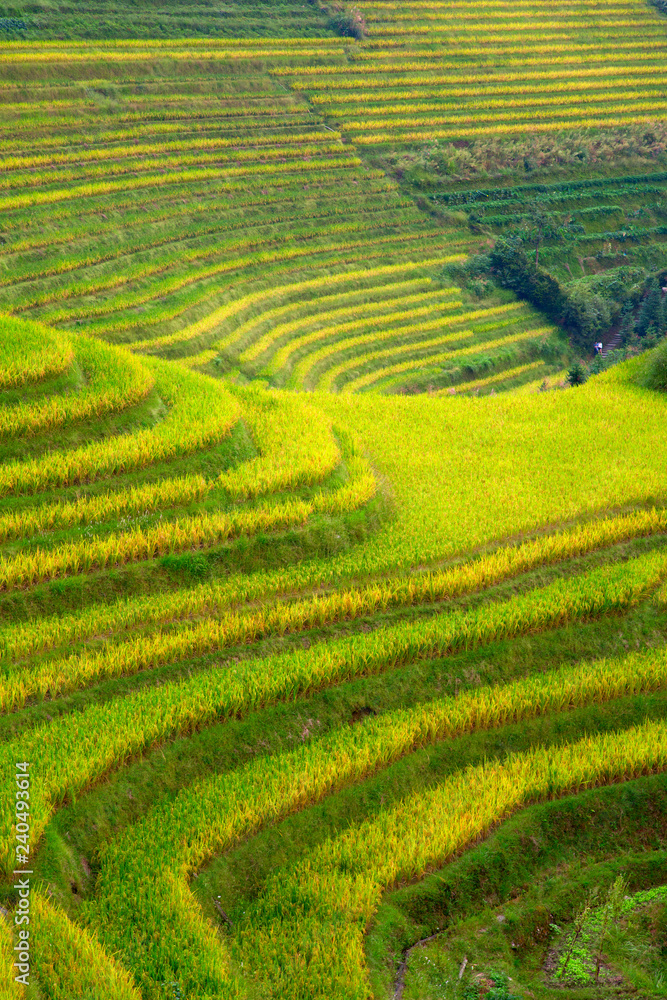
333, 499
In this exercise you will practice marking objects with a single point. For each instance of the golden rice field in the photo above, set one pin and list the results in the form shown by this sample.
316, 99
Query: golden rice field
466, 70
323, 631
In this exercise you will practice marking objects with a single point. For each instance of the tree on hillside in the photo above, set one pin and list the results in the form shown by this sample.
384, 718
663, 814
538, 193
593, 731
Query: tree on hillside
651, 319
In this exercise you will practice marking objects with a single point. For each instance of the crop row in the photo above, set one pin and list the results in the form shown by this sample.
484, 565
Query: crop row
201, 413
68, 959
206, 231
73, 752
94, 53
573, 54
91, 189
474, 316
436, 305
584, 71
500, 129
555, 381
29, 568
438, 358
255, 302
325, 904
202, 216
352, 299
185, 294
298, 159
458, 375
25, 640
501, 6
591, 595
356, 316
498, 196
66, 675
454, 118
260, 146
260, 299
489, 88
482, 383
362, 250
487, 103
303, 372
109, 44
433, 367
115, 380
147, 264
162, 208
133, 500
193, 118
30, 352
272, 788
295, 443
287, 458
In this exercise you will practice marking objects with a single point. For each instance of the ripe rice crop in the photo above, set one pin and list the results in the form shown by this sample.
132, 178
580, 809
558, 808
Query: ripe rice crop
502, 376
400, 368
201, 413
27, 640
133, 500
593, 595
105, 734
355, 316
30, 352
287, 457
317, 770
114, 381
28, 569
205, 200
332, 896
70, 958
335, 334
445, 322
263, 298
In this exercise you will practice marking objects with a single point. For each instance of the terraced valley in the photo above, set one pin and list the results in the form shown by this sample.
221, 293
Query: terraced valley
333, 500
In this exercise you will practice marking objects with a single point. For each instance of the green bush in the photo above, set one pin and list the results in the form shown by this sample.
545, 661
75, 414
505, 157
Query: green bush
655, 374
577, 374
348, 21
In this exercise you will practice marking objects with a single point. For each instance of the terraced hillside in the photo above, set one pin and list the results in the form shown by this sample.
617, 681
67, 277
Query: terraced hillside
165, 19
134, 632
345, 695
208, 179
467, 70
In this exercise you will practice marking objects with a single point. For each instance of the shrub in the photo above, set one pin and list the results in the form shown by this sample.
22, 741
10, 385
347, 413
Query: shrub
655, 374
348, 21
577, 374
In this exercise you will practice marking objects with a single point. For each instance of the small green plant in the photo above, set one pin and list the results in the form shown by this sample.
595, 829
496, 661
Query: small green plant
579, 921
611, 911
577, 374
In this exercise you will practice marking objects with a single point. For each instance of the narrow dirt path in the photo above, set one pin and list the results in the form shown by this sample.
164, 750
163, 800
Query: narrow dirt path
403, 967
